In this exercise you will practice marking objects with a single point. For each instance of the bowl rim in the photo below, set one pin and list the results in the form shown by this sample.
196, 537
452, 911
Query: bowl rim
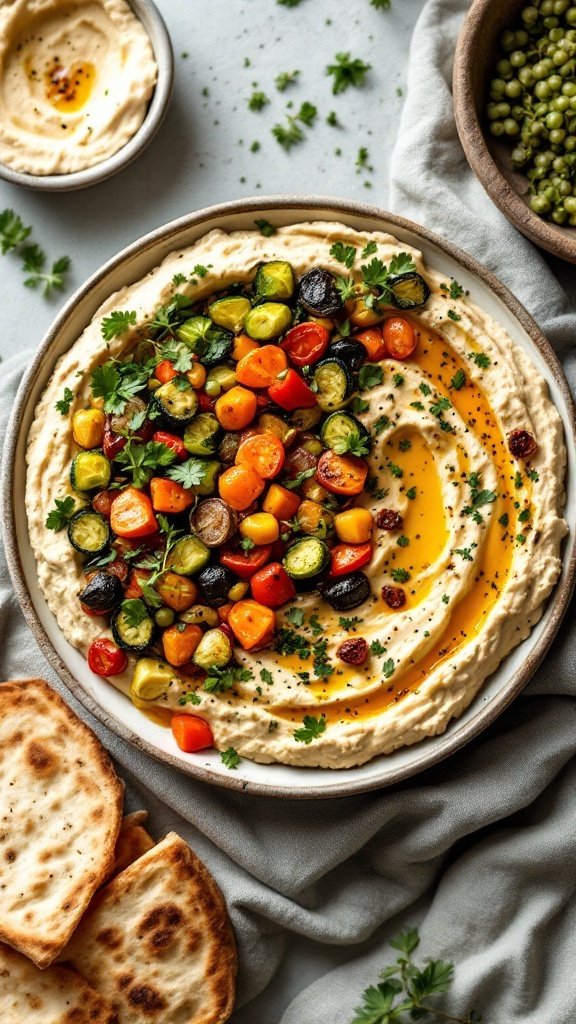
148, 14
445, 744
548, 236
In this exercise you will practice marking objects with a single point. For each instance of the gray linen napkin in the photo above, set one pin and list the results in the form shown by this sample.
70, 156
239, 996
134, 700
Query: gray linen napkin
478, 851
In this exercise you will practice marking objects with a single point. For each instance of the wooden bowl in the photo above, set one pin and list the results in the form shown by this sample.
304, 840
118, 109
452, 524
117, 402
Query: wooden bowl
489, 157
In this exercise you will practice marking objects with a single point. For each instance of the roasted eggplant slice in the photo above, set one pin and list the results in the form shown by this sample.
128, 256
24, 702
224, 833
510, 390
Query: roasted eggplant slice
349, 351
318, 293
88, 532
214, 522
408, 290
215, 581
347, 592
334, 384
102, 593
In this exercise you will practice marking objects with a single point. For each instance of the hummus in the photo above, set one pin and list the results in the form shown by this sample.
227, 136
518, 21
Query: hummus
75, 82
477, 552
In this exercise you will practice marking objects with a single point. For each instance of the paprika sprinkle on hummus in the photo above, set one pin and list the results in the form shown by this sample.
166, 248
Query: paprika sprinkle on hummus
75, 82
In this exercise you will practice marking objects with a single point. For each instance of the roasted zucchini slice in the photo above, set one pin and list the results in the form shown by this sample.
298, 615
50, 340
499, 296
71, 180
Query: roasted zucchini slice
306, 558
211, 471
340, 428
408, 290
189, 555
207, 340
274, 280
90, 471
268, 321
230, 312
177, 407
132, 634
151, 680
306, 419
202, 435
88, 532
334, 383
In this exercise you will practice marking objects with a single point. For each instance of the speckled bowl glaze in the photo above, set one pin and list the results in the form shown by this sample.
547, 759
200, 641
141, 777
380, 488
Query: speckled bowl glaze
152, 20
111, 706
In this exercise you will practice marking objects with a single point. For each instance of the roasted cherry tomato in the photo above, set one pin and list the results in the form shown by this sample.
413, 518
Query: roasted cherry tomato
272, 586
246, 563
171, 441
349, 557
191, 733
112, 443
206, 403
102, 502
306, 343
399, 338
341, 474
292, 392
165, 371
105, 658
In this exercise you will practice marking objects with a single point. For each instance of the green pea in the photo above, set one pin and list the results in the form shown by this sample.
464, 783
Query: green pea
530, 16
554, 120
555, 83
559, 215
539, 204
571, 16
504, 68
507, 41
546, 7
569, 89
164, 617
518, 59
542, 89
539, 70
550, 22
497, 128
570, 205
525, 76
212, 388
503, 109
497, 87
561, 6
492, 111
543, 159
559, 164
511, 127
570, 144
519, 156
557, 136
561, 103
565, 189
556, 34
513, 89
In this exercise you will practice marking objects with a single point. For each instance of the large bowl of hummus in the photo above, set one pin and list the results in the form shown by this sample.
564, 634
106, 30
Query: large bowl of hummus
469, 473
84, 88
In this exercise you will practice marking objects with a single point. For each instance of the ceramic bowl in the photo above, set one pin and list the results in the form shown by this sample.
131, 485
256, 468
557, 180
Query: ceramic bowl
490, 157
152, 20
110, 705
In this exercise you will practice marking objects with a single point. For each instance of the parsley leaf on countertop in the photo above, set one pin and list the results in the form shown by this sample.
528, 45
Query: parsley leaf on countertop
347, 72
33, 263
12, 231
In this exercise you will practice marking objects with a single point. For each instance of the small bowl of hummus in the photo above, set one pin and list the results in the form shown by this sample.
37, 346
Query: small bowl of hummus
84, 88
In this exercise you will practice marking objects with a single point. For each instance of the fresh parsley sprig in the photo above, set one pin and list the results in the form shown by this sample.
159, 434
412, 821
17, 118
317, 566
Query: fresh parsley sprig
230, 758
405, 988
219, 680
64, 403
13, 232
311, 729
353, 443
118, 382
117, 323
346, 72
33, 264
60, 516
140, 460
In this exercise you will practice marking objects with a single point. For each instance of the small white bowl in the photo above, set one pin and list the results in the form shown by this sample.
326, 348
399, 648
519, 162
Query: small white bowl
150, 17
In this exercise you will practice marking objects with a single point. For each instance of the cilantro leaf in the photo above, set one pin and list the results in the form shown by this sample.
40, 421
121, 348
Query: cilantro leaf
190, 698
359, 405
307, 114
284, 79
179, 355
453, 315
134, 611
349, 624
190, 473
346, 287
481, 360
377, 1002
369, 249
400, 575
458, 380
388, 668
288, 136
59, 517
293, 484
33, 262
266, 676
347, 72
401, 263
230, 758
258, 101
219, 680
345, 254
312, 728
64, 403
377, 648
353, 443
265, 228
371, 374
295, 616
12, 231
140, 460
117, 323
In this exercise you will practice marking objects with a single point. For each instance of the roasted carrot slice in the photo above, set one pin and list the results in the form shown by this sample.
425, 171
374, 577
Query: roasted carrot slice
240, 486
191, 733
236, 409
180, 642
252, 624
282, 503
132, 515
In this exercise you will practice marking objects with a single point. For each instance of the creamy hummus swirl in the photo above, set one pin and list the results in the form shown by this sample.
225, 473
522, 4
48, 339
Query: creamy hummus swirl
477, 553
75, 81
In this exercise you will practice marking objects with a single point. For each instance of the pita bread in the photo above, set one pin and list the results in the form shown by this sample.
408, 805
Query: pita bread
156, 942
133, 841
60, 814
57, 995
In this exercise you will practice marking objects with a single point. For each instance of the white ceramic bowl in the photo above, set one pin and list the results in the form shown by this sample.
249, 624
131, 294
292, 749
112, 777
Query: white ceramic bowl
152, 20
111, 706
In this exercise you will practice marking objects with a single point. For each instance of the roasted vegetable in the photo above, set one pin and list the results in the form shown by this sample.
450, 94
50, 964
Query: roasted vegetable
88, 532
318, 293
151, 680
334, 384
408, 290
202, 435
214, 522
314, 520
347, 592
274, 280
213, 651
230, 312
188, 556
349, 351
268, 320
90, 471
177, 407
132, 635
102, 593
306, 559
341, 431
215, 582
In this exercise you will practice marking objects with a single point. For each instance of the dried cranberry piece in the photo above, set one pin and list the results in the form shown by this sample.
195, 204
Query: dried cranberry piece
353, 651
389, 519
394, 596
522, 444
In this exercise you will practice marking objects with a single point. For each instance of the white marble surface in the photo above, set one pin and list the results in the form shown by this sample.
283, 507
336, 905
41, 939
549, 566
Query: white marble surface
202, 154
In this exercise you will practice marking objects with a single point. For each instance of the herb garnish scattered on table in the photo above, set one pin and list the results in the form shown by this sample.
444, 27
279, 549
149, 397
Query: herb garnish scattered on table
347, 72
13, 234
406, 987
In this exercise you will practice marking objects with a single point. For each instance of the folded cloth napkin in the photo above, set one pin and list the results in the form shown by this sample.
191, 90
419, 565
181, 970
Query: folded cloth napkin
478, 851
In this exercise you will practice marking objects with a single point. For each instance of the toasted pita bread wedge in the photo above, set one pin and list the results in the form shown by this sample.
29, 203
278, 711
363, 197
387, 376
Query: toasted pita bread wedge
57, 995
133, 841
156, 942
60, 814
